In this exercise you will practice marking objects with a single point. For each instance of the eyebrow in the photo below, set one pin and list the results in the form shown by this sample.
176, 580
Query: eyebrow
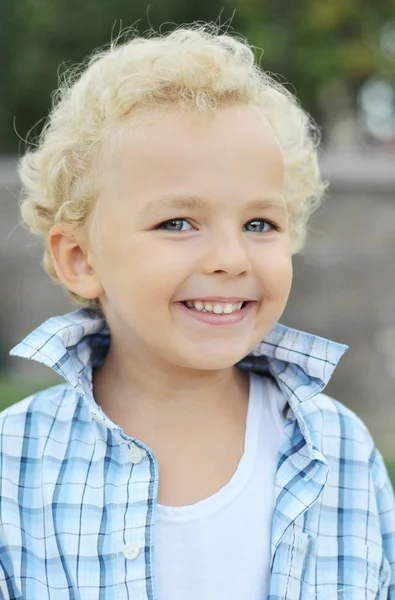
196, 202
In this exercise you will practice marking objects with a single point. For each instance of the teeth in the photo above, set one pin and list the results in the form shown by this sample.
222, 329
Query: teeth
228, 308
218, 309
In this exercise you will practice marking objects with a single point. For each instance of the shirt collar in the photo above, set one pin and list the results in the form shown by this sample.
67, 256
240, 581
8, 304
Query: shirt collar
301, 363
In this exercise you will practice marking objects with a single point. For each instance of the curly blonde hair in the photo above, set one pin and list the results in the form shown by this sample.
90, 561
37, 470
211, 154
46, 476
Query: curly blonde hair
194, 67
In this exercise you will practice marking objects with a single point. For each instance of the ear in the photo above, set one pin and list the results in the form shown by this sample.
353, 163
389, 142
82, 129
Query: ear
71, 263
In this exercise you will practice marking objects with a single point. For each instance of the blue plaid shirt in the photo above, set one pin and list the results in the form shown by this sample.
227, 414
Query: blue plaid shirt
78, 496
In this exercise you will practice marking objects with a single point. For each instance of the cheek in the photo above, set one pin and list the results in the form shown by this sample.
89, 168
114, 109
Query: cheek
276, 272
143, 271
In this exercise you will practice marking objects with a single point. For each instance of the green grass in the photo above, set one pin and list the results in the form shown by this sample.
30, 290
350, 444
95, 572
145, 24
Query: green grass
391, 470
10, 393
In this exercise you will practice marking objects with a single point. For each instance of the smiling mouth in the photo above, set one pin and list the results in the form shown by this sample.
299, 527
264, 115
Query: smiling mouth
214, 307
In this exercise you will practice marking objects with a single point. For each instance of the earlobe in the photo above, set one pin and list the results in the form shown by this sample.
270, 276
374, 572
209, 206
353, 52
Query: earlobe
71, 264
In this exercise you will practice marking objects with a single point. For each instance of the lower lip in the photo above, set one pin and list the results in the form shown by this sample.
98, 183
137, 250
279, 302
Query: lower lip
213, 319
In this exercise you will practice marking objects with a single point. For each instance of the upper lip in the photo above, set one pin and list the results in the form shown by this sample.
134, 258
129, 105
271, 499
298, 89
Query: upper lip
220, 299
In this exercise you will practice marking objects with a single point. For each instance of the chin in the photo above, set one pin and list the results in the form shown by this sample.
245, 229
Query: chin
212, 361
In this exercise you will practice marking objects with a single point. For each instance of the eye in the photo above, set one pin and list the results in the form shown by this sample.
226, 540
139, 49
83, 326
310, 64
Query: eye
175, 225
261, 226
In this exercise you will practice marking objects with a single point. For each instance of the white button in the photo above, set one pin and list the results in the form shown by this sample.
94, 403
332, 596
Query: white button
131, 551
136, 454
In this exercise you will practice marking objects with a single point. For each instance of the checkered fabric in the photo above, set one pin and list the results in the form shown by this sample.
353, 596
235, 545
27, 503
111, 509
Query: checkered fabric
77, 513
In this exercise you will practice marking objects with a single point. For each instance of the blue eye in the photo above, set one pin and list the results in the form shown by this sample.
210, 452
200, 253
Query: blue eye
258, 226
174, 225
181, 225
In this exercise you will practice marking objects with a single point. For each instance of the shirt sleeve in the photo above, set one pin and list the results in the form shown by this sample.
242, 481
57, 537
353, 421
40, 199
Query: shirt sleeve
386, 510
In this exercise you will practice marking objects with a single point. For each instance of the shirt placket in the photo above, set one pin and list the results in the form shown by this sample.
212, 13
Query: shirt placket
135, 560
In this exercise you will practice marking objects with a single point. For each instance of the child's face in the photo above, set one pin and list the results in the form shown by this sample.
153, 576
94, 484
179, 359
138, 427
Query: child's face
210, 250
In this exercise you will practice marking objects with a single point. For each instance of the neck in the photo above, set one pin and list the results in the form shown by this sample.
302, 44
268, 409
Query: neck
128, 388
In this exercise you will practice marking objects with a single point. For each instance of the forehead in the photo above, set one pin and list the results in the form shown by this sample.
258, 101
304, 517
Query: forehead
178, 130
230, 153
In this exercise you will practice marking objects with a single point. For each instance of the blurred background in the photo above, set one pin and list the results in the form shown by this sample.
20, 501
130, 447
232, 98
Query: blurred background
339, 59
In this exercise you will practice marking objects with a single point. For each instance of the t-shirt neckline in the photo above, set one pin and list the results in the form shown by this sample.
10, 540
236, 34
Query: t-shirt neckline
223, 497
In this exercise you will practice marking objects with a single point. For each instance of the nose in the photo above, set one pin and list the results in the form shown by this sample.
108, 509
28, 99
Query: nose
227, 253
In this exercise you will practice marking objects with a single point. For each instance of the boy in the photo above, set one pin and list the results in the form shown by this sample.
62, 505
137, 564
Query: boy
190, 454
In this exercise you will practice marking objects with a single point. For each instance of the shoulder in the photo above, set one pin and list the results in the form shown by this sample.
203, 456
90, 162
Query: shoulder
346, 440
39, 410
333, 409
340, 428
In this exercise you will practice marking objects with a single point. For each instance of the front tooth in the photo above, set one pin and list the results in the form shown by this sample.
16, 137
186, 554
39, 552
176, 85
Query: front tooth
208, 307
199, 305
218, 309
228, 308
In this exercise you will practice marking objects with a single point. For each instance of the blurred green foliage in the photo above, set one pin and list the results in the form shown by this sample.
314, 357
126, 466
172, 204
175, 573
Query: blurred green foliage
313, 42
11, 393
309, 42
391, 470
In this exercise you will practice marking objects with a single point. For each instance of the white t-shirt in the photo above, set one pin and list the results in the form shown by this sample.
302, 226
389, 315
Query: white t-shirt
220, 546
